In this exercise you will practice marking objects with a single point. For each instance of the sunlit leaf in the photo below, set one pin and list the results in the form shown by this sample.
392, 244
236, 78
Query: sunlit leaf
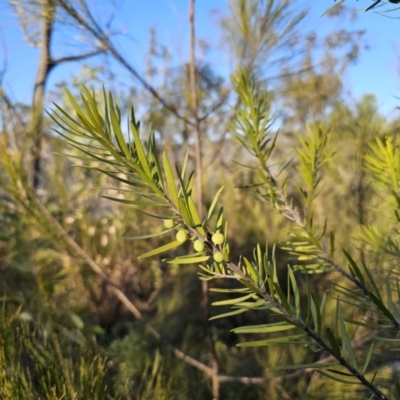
188, 260
267, 328
229, 314
232, 301
170, 180
214, 202
161, 249
195, 216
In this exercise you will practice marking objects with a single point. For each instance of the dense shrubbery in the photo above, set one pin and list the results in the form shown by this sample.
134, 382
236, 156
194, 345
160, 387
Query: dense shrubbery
294, 236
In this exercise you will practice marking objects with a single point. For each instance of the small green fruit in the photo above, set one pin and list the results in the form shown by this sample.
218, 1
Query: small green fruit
169, 223
218, 238
198, 245
181, 236
218, 257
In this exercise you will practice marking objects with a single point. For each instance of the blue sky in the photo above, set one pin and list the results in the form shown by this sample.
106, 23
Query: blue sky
376, 72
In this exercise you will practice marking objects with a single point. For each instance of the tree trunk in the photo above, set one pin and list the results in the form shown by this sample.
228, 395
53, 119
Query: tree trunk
46, 63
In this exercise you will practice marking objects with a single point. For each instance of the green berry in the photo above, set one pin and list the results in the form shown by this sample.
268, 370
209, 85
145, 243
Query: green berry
169, 223
198, 245
218, 257
181, 236
218, 238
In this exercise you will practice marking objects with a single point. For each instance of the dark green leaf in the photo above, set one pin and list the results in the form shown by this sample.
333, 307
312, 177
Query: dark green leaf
334, 344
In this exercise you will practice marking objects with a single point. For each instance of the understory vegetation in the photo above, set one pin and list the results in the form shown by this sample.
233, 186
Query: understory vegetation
196, 236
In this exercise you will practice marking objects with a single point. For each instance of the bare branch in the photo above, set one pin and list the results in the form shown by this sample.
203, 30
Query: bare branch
98, 33
77, 57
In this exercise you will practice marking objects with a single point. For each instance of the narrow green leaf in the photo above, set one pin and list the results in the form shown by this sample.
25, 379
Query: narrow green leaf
345, 339
184, 212
94, 109
89, 114
332, 243
184, 166
323, 301
203, 277
337, 379
308, 292
386, 339
229, 314
161, 249
251, 272
140, 150
190, 182
246, 283
295, 291
335, 371
207, 270
260, 304
79, 112
60, 115
354, 267
389, 296
293, 339
188, 260
239, 290
220, 219
213, 204
195, 216
350, 351
170, 180
372, 281
378, 302
334, 344
315, 312
373, 378
116, 124
232, 301
367, 360
369, 325
282, 297
153, 154
267, 328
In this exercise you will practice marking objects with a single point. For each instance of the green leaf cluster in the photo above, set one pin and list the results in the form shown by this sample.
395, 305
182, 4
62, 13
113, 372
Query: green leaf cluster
371, 314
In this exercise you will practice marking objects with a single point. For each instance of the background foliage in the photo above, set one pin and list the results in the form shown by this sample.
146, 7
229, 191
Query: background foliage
305, 301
